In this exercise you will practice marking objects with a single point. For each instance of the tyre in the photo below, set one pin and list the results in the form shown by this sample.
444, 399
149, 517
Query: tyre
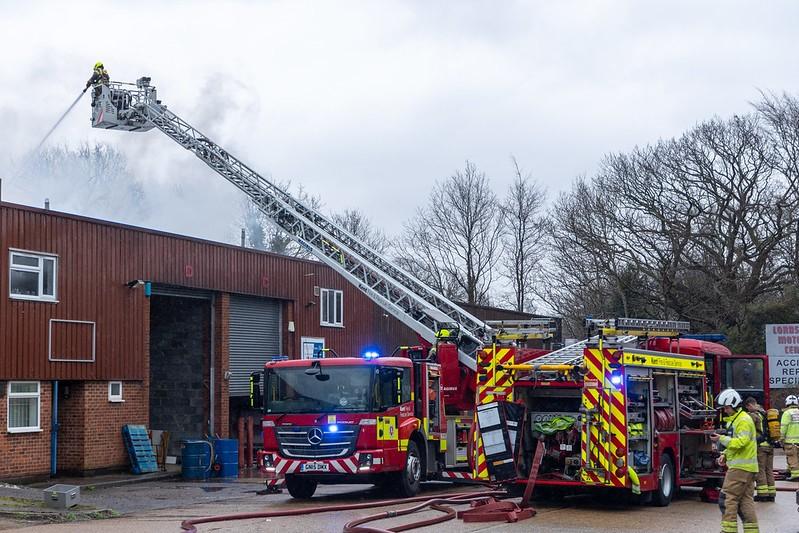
667, 483
300, 488
410, 478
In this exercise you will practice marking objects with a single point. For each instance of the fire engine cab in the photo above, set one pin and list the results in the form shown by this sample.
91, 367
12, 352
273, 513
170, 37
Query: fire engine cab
352, 420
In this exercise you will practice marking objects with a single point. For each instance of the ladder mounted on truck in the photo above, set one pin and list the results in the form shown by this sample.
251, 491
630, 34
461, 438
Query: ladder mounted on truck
135, 107
619, 331
523, 330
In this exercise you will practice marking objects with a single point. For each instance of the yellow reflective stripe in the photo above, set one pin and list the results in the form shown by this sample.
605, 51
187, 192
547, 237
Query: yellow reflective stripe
733, 462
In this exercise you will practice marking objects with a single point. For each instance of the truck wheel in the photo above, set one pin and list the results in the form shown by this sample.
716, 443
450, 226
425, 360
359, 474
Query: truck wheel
410, 478
300, 488
667, 483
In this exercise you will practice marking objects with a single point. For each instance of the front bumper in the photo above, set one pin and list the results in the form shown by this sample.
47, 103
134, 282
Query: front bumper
361, 463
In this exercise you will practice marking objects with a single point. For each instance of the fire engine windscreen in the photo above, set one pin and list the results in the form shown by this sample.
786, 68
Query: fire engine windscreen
328, 390
743, 374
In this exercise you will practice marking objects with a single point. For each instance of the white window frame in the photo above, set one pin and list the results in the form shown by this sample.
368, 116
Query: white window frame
115, 398
38, 395
40, 256
323, 295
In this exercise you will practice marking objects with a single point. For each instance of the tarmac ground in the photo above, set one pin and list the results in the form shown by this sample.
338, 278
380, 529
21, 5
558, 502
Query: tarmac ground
160, 506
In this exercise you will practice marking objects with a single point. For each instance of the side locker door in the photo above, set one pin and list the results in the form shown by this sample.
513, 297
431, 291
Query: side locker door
593, 426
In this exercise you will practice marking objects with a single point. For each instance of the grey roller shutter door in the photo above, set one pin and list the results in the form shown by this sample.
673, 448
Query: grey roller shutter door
254, 335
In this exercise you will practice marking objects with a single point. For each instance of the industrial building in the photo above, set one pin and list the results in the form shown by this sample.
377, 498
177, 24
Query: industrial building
105, 324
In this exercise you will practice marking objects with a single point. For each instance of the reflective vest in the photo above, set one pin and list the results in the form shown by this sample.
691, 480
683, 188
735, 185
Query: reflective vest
741, 447
789, 426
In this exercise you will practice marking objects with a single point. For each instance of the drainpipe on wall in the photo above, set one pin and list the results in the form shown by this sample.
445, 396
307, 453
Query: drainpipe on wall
211, 384
54, 432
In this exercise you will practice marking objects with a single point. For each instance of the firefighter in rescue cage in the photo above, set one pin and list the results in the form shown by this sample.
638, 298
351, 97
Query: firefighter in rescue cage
765, 487
739, 454
99, 78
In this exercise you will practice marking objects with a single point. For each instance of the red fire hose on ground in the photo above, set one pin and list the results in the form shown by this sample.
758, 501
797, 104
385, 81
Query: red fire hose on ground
436, 503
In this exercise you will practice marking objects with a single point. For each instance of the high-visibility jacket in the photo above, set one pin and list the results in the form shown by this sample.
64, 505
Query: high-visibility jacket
789, 426
741, 446
99, 77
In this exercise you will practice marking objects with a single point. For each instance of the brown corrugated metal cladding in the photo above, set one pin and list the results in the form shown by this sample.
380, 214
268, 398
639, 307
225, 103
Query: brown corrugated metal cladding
97, 259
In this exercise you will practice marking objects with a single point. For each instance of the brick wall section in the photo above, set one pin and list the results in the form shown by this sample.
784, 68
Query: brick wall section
90, 436
221, 365
26, 454
103, 446
72, 421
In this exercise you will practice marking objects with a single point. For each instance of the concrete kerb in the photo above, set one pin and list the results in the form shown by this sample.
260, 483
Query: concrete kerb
155, 476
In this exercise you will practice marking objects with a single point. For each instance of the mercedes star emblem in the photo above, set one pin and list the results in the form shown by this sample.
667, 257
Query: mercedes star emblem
315, 436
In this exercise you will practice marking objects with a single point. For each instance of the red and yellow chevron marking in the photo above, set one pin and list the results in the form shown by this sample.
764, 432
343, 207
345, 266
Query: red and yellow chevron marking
494, 383
480, 470
604, 433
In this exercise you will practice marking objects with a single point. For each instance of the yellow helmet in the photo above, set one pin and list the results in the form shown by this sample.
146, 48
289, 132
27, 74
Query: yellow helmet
99, 64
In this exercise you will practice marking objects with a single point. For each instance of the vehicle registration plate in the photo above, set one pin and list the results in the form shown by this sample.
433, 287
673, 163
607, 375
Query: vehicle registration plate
315, 466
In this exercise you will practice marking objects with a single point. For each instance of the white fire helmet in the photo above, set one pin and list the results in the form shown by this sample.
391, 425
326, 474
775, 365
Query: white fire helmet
791, 400
728, 397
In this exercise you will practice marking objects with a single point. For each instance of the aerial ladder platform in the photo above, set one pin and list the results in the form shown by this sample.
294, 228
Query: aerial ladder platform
135, 107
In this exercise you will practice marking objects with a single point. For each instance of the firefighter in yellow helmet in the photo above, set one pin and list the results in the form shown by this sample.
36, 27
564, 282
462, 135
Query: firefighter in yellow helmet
99, 78
740, 457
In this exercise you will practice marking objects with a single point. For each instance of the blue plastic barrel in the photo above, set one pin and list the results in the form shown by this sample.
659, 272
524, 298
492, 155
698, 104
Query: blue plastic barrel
196, 459
226, 452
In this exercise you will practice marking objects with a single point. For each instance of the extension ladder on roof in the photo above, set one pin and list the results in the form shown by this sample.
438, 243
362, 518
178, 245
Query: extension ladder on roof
573, 353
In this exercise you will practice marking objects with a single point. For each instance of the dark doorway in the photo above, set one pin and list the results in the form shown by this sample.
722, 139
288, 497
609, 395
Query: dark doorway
179, 367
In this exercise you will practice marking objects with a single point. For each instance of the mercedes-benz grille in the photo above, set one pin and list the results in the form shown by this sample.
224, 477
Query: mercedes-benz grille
317, 442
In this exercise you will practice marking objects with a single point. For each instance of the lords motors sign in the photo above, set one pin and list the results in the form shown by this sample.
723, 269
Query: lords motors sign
782, 347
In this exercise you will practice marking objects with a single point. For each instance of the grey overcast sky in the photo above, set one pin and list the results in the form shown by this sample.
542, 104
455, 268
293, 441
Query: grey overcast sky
368, 103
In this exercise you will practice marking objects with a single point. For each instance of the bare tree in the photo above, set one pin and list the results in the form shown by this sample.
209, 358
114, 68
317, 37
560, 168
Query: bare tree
92, 180
695, 228
354, 221
524, 234
452, 243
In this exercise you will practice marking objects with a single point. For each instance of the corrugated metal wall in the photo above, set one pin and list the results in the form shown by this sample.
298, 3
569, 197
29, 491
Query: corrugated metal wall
254, 335
95, 261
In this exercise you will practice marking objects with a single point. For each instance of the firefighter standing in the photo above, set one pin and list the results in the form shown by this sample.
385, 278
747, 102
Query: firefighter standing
740, 456
99, 78
765, 487
789, 430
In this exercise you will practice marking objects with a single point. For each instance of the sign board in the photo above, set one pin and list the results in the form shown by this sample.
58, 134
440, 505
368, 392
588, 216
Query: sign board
674, 362
782, 347
311, 347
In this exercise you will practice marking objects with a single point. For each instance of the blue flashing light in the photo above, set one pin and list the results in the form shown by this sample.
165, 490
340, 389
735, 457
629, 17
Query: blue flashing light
615, 379
333, 428
371, 354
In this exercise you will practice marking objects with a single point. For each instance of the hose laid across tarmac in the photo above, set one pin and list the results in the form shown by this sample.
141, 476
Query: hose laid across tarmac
458, 498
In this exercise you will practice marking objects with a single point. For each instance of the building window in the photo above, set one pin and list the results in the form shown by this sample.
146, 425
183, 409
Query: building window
115, 391
332, 307
23, 406
32, 276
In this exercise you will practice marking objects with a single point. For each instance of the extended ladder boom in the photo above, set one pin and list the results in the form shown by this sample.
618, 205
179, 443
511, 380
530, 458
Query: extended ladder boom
136, 108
